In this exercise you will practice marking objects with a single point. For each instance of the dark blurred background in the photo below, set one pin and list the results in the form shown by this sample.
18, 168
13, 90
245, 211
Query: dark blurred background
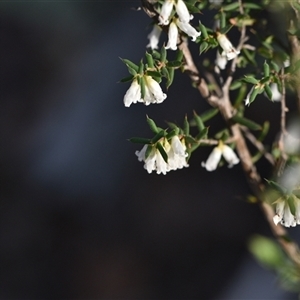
79, 216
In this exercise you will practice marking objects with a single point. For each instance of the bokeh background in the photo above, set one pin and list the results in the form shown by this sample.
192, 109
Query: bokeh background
79, 216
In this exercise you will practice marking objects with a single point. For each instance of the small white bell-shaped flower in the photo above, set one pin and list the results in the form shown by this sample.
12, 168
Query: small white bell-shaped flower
165, 12
214, 158
153, 91
188, 29
183, 12
283, 213
153, 37
133, 94
173, 36
226, 45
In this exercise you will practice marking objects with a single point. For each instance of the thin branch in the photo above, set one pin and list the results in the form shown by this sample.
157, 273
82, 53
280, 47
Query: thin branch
226, 109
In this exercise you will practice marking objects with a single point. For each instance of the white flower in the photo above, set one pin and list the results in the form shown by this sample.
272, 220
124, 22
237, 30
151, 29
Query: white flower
226, 45
165, 12
153, 37
188, 29
182, 12
173, 36
284, 215
221, 60
176, 152
276, 95
215, 157
133, 94
154, 162
153, 91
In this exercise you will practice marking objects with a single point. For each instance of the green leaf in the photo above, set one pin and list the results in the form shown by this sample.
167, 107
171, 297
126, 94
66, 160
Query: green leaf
252, 6
154, 74
203, 47
170, 79
192, 9
250, 79
141, 68
174, 64
163, 54
246, 122
266, 69
264, 131
172, 133
231, 7
203, 134
199, 122
266, 251
138, 140
149, 59
274, 185
268, 92
126, 79
235, 85
291, 204
158, 136
186, 126
179, 55
207, 115
222, 19
152, 125
225, 29
162, 151
250, 56
253, 95
142, 84
203, 30
130, 64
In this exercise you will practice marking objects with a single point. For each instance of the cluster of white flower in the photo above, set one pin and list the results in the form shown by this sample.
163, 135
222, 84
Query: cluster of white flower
153, 92
284, 215
182, 22
176, 152
214, 158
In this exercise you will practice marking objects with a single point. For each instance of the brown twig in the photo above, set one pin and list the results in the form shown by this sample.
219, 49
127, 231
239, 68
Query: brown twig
253, 177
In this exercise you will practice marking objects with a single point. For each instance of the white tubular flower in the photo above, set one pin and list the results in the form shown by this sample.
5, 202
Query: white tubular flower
153, 37
226, 45
154, 162
221, 60
173, 36
182, 12
177, 154
154, 93
230, 156
188, 29
133, 94
214, 158
165, 12
284, 215
276, 95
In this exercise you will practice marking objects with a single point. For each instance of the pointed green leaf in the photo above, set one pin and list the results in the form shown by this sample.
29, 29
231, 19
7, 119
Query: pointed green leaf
126, 79
225, 29
274, 185
186, 126
203, 134
264, 131
172, 133
153, 74
149, 59
130, 64
179, 55
203, 46
149, 149
142, 84
171, 77
162, 151
174, 64
231, 7
246, 122
138, 140
250, 79
158, 136
266, 69
152, 125
203, 30
163, 54
268, 92
141, 68
291, 204
207, 115
199, 122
